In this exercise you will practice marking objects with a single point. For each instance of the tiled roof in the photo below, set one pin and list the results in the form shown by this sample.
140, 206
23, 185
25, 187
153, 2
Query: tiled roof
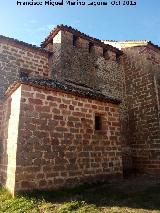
64, 87
155, 45
16, 41
79, 34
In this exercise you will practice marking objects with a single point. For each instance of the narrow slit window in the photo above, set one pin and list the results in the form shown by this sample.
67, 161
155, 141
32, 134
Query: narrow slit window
91, 47
105, 54
98, 122
75, 38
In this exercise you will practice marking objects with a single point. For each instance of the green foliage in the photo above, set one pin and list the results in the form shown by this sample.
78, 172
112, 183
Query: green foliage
133, 197
9, 204
22, 204
77, 207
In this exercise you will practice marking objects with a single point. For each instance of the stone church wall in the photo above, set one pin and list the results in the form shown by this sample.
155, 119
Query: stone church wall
53, 133
58, 144
15, 57
143, 111
103, 72
87, 67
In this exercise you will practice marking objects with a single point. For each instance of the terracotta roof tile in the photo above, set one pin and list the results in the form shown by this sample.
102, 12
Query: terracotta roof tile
64, 87
77, 33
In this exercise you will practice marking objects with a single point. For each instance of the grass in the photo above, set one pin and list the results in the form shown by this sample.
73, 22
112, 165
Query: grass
138, 195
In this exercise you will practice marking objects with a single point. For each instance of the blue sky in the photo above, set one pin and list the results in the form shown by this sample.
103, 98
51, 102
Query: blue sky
33, 23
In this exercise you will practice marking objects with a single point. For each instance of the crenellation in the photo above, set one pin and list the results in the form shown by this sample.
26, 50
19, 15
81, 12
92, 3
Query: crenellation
77, 109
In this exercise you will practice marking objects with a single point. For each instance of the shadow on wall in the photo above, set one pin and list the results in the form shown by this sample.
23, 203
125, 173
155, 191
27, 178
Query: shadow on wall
5, 116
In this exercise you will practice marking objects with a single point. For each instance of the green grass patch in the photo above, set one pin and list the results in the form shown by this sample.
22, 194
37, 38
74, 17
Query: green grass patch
126, 197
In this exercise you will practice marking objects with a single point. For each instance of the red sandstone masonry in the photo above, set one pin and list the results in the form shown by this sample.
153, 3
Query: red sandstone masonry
142, 103
15, 57
57, 143
34, 61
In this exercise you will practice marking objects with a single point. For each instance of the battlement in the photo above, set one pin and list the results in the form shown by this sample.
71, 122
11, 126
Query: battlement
73, 37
